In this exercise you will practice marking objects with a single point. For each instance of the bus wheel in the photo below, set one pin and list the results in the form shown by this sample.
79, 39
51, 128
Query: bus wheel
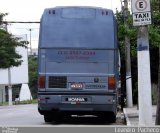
112, 118
57, 117
47, 118
108, 117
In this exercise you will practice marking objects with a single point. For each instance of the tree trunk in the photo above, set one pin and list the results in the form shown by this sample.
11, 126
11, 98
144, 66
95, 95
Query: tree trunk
158, 100
158, 89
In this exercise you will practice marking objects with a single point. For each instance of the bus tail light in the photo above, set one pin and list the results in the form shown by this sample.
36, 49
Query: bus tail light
111, 83
41, 82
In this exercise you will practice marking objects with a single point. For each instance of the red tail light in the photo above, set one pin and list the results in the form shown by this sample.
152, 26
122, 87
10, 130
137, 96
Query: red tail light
41, 82
111, 83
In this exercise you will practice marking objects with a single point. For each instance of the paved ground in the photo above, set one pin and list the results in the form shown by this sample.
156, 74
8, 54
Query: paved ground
132, 118
20, 115
28, 115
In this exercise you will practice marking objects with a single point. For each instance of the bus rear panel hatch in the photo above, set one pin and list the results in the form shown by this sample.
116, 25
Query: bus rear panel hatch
77, 63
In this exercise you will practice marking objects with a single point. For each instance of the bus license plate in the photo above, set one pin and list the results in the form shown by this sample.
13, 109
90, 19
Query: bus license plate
76, 85
76, 99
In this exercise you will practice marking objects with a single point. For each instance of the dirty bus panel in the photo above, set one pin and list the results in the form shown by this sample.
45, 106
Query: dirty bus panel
77, 63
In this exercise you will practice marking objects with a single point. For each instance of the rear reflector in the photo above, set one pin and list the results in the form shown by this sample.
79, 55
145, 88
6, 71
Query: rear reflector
111, 83
53, 12
41, 82
102, 12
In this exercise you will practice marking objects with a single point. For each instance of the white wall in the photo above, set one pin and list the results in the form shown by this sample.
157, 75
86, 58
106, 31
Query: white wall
25, 93
19, 74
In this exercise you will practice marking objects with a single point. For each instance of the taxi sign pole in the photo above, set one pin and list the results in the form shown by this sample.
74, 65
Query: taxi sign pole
144, 78
141, 9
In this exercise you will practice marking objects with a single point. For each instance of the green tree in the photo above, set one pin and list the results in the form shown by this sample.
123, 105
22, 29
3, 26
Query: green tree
156, 36
33, 75
8, 43
154, 39
132, 34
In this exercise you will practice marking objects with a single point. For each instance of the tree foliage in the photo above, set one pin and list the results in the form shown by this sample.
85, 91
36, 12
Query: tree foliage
154, 40
156, 33
32, 62
8, 44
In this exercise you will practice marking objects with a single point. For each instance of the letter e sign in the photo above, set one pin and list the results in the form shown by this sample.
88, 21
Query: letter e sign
140, 6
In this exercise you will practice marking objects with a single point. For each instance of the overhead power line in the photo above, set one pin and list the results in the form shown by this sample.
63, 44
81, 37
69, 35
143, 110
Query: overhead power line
24, 28
20, 22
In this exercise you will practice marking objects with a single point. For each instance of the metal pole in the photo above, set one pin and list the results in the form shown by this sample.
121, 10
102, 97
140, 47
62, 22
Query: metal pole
9, 87
30, 42
128, 59
9, 80
2, 96
144, 78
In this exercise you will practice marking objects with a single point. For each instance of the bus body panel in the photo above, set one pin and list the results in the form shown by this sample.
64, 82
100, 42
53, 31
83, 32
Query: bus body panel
70, 31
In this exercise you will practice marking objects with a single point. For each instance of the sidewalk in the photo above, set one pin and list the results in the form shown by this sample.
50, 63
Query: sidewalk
131, 115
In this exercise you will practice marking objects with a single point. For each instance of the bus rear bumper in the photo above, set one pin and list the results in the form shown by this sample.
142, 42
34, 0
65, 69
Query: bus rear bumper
55, 104
79, 109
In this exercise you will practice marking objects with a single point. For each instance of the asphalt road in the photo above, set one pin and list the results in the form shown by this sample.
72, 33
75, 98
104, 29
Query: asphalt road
27, 115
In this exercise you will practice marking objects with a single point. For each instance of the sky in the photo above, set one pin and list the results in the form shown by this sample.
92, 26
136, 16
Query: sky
31, 10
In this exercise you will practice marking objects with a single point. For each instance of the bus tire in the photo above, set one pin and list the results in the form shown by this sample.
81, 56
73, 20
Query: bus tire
57, 117
108, 117
48, 118
112, 118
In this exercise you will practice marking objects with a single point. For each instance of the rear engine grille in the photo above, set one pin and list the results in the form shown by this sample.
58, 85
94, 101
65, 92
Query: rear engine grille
57, 82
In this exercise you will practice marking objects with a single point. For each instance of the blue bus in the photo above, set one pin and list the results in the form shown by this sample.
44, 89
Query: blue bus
78, 63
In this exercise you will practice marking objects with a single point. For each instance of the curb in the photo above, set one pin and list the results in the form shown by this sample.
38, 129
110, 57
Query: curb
126, 117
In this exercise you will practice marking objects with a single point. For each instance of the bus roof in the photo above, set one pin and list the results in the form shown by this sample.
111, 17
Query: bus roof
78, 27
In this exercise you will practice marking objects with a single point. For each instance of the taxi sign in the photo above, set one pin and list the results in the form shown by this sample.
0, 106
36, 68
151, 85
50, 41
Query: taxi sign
142, 18
141, 12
